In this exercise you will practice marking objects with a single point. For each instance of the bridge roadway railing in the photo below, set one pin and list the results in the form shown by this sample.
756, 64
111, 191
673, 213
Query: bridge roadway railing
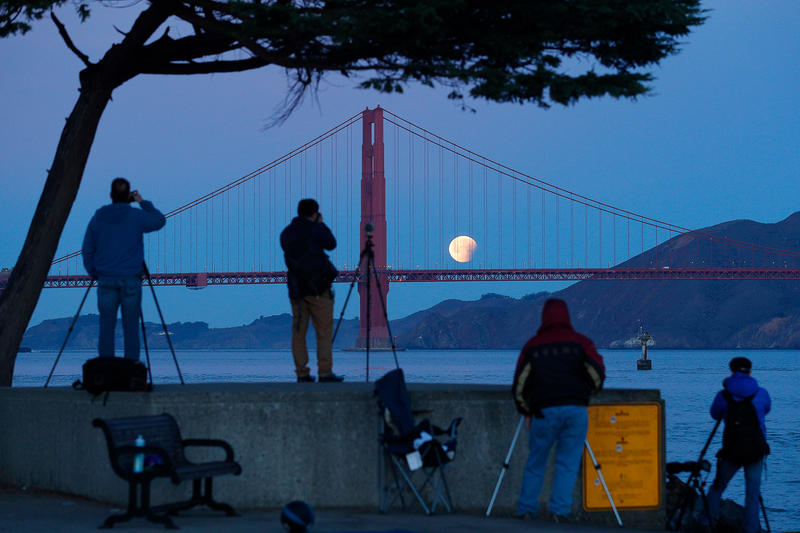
314, 442
202, 279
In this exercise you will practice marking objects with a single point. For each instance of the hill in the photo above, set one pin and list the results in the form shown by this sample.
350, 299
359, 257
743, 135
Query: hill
264, 333
678, 314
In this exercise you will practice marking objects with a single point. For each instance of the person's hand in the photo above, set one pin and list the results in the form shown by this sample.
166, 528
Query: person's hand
136, 196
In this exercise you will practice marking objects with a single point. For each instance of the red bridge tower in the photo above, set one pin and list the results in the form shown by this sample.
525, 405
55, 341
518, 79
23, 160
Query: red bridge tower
373, 210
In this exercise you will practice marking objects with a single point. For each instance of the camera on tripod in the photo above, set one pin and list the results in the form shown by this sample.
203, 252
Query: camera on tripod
694, 467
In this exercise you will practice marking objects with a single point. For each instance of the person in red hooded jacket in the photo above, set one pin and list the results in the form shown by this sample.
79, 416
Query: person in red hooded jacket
557, 370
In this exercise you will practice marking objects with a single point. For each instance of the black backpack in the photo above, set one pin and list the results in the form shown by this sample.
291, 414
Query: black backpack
103, 374
312, 267
743, 442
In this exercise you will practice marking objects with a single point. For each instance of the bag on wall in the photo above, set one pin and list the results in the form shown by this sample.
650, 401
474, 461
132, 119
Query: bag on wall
103, 374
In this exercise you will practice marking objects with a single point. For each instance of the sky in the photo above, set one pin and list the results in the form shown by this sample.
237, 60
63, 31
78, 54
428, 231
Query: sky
716, 140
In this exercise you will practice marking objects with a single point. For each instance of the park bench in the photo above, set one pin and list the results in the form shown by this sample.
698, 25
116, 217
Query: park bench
164, 453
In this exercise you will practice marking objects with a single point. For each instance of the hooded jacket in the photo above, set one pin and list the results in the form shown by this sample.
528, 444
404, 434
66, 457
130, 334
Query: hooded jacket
303, 237
558, 366
113, 246
742, 385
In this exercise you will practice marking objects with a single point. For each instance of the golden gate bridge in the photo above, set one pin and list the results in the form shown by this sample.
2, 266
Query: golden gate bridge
421, 191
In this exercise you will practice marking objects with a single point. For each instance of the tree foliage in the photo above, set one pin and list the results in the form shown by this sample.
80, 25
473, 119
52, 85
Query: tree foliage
524, 51
507, 51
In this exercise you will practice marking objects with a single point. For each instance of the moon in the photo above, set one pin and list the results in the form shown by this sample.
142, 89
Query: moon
462, 247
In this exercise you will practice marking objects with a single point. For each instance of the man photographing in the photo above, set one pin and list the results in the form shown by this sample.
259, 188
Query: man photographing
310, 276
743, 405
557, 370
113, 254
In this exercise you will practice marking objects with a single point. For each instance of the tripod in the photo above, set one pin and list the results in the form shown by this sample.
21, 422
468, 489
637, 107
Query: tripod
696, 487
591, 455
144, 333
367, 259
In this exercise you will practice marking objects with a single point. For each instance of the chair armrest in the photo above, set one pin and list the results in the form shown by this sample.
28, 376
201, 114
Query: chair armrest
122, 451
216, 443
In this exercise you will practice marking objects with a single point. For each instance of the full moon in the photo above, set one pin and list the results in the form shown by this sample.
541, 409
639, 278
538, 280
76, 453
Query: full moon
462, 247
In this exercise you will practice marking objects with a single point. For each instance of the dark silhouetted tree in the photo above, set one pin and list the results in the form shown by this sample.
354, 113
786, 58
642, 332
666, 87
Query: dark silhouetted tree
524, 51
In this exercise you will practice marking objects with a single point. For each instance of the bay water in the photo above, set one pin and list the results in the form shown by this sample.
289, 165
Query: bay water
687, 379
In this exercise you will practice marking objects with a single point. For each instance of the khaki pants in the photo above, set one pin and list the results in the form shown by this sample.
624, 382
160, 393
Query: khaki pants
320, 310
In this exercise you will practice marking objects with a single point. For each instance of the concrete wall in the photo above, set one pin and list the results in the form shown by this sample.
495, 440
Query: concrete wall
315, 442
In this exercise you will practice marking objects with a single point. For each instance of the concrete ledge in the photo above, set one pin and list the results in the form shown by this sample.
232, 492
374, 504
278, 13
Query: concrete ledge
315, 442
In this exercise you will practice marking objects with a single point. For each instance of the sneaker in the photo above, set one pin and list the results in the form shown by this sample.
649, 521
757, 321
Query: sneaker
331, 378
305, 379
525, 516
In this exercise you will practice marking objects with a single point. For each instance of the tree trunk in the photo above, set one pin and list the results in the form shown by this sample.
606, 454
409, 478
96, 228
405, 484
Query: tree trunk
18, 300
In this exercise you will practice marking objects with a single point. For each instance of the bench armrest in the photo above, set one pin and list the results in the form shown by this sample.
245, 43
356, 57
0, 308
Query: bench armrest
216, 443
122, 451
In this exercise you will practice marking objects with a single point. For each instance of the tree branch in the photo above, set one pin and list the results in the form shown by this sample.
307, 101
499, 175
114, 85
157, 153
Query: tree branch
207, 67
68, 40
211, 24
166, 50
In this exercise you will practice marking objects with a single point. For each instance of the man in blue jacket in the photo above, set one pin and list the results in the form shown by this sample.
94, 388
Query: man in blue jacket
310, 274
113, 254
739, 449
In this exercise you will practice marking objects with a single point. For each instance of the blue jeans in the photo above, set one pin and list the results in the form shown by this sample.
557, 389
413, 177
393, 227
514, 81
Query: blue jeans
566, 425
752, 480
111, 295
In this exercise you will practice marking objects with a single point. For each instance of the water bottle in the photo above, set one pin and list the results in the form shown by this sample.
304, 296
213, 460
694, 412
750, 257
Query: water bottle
138, 459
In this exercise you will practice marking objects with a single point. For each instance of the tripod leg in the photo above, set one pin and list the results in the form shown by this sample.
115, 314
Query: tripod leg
349, 292
603, 481
704, 499
385, 314
163, 324
369, 304
764, 512
69, 331
146, 351
505, 465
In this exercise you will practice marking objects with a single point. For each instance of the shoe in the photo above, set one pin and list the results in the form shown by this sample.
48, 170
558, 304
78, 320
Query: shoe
525, 516
305, 379
331, 378
560, 518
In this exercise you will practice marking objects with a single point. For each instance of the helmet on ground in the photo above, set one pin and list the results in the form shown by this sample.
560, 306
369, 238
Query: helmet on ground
297, 516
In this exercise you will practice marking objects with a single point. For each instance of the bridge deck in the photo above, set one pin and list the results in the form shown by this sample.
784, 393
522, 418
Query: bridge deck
202, 279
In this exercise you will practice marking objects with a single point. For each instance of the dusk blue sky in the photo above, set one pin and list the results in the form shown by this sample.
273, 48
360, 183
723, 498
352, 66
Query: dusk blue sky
716, 140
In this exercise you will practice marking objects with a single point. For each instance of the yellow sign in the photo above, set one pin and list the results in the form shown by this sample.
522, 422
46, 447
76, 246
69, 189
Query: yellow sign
626, 441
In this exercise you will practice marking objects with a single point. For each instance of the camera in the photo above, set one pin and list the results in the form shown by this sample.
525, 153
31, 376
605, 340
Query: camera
694, 467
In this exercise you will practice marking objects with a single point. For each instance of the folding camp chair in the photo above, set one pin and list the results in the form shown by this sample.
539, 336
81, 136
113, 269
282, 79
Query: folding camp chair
408, 446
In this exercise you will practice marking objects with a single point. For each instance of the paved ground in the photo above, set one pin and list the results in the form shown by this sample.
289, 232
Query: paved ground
43, 512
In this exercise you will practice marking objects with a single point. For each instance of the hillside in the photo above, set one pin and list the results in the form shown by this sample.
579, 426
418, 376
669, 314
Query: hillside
264, 333
678, 314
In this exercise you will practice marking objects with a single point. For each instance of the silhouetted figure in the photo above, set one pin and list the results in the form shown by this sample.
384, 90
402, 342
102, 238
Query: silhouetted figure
310, 276
556, 372
113, 254
743, 405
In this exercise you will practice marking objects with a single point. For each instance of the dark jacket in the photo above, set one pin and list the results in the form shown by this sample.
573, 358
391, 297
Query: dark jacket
741, 385
558, 366
113, 246
300, 239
